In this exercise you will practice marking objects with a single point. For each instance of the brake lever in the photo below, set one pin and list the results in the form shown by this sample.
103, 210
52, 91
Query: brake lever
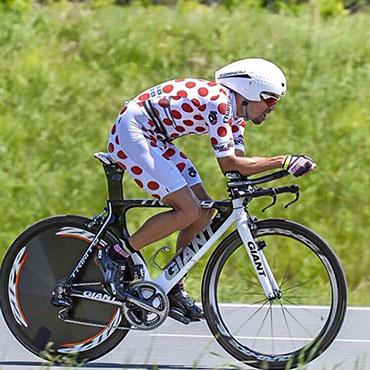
294, 200
273, 201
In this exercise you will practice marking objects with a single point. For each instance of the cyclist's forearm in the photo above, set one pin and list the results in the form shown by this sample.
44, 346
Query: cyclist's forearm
250, 165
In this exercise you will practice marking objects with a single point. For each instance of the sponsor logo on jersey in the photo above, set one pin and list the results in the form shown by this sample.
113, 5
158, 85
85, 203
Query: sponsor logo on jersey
212, 117
227, 116
239, 141
223, 147
155, 91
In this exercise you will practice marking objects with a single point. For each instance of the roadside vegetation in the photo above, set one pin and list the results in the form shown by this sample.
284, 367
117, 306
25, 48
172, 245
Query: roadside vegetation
66, 69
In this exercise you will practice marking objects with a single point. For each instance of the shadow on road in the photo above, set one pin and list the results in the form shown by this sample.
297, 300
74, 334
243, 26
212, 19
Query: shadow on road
109, 366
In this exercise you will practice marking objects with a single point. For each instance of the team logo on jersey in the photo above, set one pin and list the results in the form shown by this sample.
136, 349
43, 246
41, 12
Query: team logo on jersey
227, 116
192, 172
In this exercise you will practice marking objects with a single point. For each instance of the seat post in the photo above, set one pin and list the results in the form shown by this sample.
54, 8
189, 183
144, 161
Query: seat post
114, 176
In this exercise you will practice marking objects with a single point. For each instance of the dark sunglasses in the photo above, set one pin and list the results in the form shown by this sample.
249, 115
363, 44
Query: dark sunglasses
269, 99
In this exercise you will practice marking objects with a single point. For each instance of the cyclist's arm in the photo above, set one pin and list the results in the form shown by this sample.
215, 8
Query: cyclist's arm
249, 165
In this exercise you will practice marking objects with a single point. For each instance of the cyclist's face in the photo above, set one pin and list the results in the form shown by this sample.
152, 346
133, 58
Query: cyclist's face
258, 111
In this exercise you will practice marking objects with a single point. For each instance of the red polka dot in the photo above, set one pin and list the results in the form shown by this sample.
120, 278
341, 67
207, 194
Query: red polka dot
140, 183
123, 109
196, 102
117, 140
151, 123
202, 108
235, 128
241, 137
140, 104
121, 154
164, 103
170, 152
179, 79
167, 89
121, 165
136, 170
182, 93
243, 124
180, 129
181, 166
111, 147
174, 135
202, 91
190, 84
230, 122
153, 144
211, 83
113, 130
198, 117
188, 122
152, 185
222, 108
187, 107
200, 129
214, 141
215, 97
166, 156
176, 114
176, 97
223, 91
167, 121
221, 131
182, 155
156, 196
143, 97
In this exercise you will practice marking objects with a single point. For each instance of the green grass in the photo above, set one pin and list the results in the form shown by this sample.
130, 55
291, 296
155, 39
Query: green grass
66, 69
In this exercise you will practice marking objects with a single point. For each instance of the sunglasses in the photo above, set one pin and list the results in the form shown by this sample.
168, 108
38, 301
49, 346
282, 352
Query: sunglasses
269, 99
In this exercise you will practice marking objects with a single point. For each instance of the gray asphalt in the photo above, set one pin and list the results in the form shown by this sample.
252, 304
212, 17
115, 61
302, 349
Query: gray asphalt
176, 346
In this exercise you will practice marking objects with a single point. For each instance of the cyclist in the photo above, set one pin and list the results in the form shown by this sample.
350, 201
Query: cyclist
141, 142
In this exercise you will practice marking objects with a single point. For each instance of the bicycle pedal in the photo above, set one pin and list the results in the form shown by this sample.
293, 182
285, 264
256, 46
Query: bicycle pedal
178, 316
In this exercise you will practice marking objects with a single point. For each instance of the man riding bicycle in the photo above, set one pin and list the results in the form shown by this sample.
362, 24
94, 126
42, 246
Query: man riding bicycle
141, 142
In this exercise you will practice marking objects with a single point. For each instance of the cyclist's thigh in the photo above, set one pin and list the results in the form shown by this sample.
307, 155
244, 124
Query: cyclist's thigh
144, 160
183, 164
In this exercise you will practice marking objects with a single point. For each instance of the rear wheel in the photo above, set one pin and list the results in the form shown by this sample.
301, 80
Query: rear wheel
280, 333
41, 256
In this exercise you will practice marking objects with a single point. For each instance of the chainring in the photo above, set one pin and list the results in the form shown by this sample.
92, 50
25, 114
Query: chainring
151, 294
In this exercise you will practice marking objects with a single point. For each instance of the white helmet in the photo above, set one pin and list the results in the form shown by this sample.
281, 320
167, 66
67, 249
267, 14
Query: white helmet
251, 77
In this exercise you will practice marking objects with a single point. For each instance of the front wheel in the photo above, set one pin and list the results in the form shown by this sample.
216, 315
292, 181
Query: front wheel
280, 333
41, 256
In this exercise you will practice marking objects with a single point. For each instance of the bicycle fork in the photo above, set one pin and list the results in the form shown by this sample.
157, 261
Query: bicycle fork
256, 255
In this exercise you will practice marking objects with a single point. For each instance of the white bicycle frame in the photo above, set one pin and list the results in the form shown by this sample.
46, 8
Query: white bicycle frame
178, 267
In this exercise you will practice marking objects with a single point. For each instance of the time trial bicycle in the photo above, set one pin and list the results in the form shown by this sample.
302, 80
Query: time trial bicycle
289, 297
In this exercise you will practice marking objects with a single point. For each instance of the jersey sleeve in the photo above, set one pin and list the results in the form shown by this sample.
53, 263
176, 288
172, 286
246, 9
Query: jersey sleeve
218, 117
237, 129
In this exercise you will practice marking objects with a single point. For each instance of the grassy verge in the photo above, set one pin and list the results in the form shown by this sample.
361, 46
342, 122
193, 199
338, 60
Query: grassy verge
65, 71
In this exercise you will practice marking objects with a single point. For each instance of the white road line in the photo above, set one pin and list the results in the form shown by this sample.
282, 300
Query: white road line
199, 336
236, 305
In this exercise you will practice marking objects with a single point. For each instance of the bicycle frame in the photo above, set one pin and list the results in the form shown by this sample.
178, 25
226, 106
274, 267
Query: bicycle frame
229, 212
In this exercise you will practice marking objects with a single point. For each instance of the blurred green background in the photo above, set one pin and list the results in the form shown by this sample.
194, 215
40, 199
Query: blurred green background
66, 69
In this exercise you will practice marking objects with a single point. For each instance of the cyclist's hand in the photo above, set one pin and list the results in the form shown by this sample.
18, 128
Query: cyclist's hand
298, 165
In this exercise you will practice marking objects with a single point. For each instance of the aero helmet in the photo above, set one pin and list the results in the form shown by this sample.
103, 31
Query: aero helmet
251, 77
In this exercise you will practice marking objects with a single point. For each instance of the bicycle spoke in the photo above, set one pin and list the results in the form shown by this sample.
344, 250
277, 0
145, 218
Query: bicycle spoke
297, 321
287, 325
302, 308
250, 318
272, 329
263, 322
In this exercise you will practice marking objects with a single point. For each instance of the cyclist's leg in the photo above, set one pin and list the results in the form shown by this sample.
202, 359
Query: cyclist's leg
194, 181
187, 235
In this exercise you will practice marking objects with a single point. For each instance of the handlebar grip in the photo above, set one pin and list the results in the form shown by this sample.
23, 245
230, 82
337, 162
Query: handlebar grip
287, 189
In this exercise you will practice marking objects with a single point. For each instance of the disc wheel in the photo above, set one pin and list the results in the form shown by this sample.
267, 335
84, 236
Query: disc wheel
283, 332
43, 255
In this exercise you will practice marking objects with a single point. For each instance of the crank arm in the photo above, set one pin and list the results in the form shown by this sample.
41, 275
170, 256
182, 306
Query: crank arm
143, 305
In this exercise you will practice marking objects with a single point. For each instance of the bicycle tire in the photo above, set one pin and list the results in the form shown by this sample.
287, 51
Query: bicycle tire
326, 318
43, 254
